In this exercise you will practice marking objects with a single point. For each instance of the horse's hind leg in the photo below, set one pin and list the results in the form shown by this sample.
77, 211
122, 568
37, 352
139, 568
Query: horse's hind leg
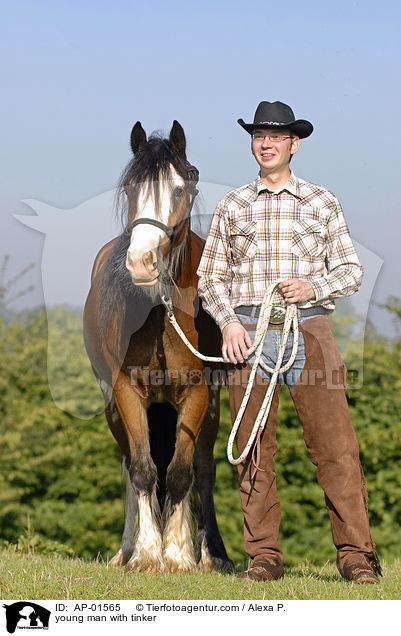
210, 548
142, 474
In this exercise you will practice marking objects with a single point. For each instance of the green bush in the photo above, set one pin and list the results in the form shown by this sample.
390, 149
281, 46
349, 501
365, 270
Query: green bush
62, 471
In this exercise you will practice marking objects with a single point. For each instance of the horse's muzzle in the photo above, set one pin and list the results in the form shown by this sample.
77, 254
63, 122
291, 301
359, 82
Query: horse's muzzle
143, 267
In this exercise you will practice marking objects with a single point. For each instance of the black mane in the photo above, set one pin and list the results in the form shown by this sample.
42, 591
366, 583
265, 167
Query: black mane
149, 166
117, 292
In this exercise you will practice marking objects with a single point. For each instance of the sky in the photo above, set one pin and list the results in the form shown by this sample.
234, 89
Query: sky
76, 76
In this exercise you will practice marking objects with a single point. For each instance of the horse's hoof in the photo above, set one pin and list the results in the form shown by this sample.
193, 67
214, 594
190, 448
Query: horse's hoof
117, 560
145, 563
185, 566
209, 563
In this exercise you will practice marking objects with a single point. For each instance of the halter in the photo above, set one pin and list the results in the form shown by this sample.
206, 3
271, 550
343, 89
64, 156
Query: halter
193, 177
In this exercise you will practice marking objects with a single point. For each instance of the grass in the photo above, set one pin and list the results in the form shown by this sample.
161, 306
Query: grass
38, 576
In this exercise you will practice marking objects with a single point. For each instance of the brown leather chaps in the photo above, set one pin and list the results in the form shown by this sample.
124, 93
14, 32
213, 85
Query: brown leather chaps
320, 401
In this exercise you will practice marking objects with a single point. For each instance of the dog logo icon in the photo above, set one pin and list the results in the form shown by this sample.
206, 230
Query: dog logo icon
26, 615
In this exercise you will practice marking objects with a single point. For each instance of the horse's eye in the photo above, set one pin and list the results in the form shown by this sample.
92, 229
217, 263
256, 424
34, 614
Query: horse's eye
179, 192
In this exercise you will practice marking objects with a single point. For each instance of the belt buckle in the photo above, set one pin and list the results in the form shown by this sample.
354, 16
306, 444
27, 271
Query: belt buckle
277, 315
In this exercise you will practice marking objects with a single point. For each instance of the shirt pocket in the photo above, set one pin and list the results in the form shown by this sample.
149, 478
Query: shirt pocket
243, 240
308, 240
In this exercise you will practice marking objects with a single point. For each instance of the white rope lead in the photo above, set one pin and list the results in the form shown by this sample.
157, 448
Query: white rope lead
290, 321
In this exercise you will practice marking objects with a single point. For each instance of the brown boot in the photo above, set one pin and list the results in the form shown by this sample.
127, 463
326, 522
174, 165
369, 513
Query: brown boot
360, 573
359, 567
263, 569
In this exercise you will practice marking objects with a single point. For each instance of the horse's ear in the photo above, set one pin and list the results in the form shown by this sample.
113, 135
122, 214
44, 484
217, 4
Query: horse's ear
177, 139
138, 137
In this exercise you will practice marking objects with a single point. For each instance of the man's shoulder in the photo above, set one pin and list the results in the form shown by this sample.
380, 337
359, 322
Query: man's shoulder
314, 194
238, 197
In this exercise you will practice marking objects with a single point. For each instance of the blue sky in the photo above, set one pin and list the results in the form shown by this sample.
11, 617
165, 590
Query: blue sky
76, 76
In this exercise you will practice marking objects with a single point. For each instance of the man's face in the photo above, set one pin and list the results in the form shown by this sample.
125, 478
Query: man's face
272, 148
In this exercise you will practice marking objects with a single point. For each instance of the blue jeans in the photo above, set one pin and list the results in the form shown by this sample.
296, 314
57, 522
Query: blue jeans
270, 353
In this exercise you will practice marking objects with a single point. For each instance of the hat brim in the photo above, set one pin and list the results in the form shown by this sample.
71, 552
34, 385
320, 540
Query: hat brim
300, 127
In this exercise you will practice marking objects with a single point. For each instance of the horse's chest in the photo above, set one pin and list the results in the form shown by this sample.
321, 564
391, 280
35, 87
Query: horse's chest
160, 366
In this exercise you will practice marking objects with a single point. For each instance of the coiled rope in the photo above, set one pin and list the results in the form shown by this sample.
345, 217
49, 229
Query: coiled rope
290, 321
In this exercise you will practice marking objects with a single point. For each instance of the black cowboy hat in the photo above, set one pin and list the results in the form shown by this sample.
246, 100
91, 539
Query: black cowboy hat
278, 115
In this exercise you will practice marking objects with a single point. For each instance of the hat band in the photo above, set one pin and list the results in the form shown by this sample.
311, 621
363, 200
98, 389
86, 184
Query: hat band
271, 123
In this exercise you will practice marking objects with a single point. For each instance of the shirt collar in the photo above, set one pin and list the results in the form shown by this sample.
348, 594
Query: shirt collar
292, 186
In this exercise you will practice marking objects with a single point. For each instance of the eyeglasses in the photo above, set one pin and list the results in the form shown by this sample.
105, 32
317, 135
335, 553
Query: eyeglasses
276, 138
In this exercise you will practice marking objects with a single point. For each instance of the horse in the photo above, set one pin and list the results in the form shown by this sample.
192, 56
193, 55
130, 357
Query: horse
160, 406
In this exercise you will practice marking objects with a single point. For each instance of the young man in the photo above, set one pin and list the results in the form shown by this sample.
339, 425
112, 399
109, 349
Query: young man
282, 227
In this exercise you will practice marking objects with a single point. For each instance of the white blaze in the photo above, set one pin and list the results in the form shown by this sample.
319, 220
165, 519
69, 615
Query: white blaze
146, 237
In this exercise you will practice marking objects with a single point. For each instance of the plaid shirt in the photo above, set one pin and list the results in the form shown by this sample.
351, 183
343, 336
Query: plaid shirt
258, 236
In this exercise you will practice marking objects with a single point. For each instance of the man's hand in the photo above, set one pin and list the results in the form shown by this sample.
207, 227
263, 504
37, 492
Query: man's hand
236, 341
296, 291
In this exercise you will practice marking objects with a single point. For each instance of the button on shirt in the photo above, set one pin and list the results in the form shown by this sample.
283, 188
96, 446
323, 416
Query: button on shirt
258, 236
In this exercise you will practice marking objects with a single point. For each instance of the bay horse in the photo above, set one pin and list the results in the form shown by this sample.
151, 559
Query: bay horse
159, 405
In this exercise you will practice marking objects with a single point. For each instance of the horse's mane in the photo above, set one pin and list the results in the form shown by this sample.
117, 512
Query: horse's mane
149, 167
